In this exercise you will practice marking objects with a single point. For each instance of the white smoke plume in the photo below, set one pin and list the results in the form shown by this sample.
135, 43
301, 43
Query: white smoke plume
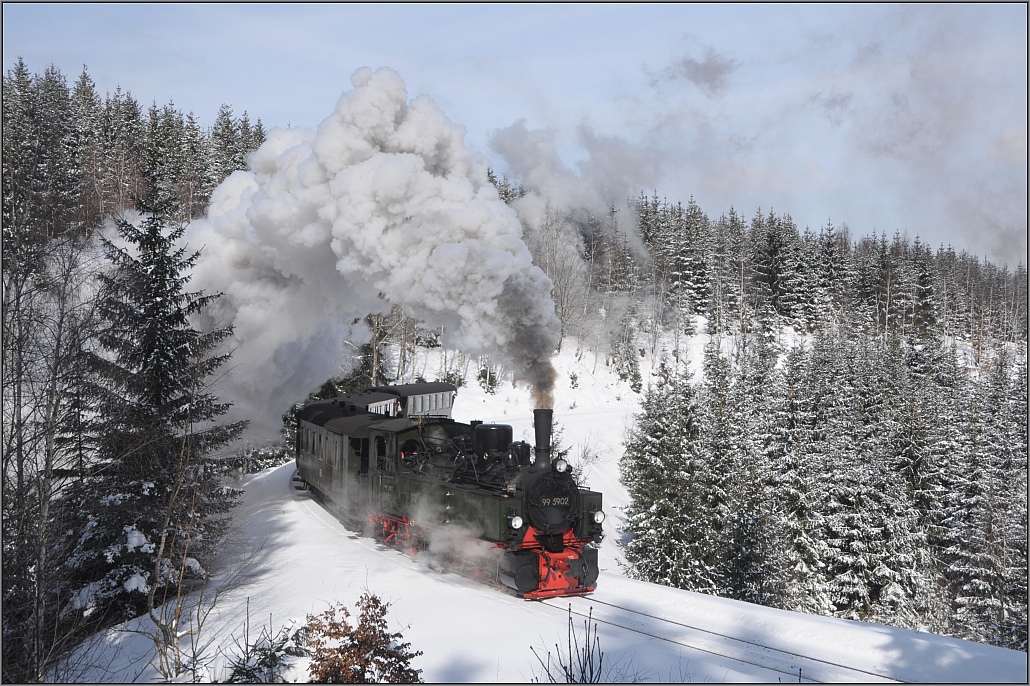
383, 204
612, 175
614, 171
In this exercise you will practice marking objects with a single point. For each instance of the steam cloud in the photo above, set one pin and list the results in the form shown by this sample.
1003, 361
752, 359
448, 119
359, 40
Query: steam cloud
383, 204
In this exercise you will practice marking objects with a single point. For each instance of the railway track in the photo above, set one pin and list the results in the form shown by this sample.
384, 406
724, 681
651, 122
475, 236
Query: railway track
794, 666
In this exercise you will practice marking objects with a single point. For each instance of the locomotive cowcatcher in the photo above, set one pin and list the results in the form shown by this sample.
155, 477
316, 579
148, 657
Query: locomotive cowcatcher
394, 457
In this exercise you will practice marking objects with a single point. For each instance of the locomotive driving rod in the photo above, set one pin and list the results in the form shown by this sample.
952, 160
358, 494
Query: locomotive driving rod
542, 426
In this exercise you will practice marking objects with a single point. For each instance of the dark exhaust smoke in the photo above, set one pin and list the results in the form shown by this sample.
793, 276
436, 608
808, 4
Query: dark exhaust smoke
542, 419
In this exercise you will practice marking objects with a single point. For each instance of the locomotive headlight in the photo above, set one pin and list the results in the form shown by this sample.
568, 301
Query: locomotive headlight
560, 465
516, 522
598, 517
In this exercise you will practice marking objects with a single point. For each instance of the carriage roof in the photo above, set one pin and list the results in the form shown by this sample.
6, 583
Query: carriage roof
353, 415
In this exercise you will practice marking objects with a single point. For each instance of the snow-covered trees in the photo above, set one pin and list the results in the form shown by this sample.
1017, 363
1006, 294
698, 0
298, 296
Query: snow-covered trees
151, 501
661, 467
48, 319
865, 474
232, 139
91, 449
69, 151
988, 558
860, 478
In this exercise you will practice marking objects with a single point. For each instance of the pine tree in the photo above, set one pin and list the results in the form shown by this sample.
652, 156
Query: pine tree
88, 122
800, 491
869, 255
861, 497
123, 141
833, 274
508, 191
57, 155
904, 581
195, 180
727, 274
41, 186
714, 476
988, 558
754, 527
22, 243
670, 539
923, 446
1014, 468
226, 146
151, 505
925, 306
647, 219
771, 245
686, 248
251, 136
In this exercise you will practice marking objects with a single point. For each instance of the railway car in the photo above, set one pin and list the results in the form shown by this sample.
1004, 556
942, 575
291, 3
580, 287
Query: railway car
393, 457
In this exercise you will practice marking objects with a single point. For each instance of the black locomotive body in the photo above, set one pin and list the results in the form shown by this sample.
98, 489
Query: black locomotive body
394, 457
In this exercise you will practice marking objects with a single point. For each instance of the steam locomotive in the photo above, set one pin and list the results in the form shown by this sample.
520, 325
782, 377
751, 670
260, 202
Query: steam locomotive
393, 457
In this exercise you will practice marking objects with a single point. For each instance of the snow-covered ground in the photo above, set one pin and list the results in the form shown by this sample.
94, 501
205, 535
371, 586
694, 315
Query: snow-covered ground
302, 559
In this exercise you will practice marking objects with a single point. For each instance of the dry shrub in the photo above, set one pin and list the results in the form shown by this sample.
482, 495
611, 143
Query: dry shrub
365, 654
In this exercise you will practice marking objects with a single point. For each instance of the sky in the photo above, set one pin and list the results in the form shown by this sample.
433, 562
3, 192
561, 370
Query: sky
885, 118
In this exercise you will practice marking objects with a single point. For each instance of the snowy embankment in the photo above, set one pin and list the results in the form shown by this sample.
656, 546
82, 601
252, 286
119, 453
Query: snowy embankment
302, 559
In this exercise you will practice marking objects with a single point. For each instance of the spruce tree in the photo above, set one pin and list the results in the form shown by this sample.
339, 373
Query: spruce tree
903, 576
726, 282
123, 141
988, 558
800, 491
1014, 628
151, 505
847, 471
719, 459
88, 122
833, 274
669, 540
754, 529
226, 147
195, 180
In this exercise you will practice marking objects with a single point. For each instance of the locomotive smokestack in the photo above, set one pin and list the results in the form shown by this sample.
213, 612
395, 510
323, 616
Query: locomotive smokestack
542, 425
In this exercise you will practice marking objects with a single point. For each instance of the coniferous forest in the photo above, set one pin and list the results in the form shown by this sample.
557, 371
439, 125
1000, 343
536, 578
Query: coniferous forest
877, 472
853, 444
112, 502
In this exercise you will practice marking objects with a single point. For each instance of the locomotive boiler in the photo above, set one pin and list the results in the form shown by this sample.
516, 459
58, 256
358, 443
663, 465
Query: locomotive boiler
394, 458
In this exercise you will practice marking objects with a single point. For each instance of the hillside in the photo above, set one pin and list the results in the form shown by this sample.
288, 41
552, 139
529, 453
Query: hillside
301, 558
